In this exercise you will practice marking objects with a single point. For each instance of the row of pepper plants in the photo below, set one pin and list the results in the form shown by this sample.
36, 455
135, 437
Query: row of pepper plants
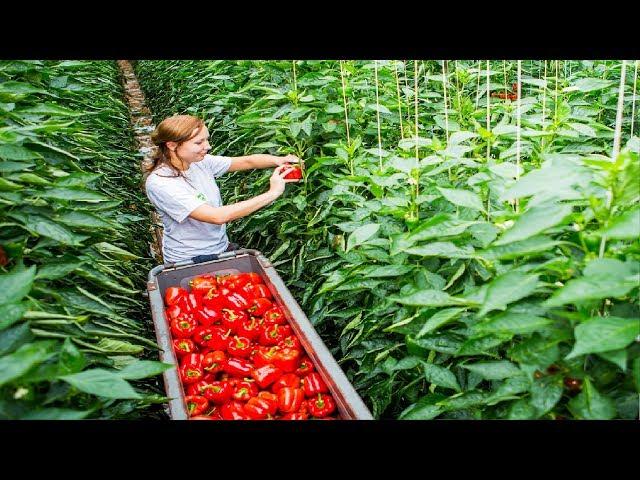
74, 333
453, 272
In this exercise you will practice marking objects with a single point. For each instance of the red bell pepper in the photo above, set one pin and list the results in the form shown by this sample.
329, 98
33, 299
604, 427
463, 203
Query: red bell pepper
290, 342
207, 337
305, 366
239, 346
232, 319
275, 315
213, 362
266, 375
219, 338
219, 392
244, 390
262, 291
253, 277
203, 417
271, 399
184, 346
290, 380
259, 306
183, 327
313, 384
193, 359
207, 316
191, 373
321, 406
201, 284
196, 404
249, 329
233, 411
257, 408
264, 355
289, 399
238, 367
287, 359
175, 311
273, 334
198, 388
235, 300
173, 295
295, 416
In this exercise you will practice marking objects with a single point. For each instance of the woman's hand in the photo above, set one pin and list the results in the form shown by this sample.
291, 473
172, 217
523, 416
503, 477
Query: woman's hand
289, 159
277, 181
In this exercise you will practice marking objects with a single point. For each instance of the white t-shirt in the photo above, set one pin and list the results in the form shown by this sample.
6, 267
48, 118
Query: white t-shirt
175, 199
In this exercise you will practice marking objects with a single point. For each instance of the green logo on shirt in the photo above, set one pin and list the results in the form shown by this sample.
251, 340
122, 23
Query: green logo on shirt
201, 196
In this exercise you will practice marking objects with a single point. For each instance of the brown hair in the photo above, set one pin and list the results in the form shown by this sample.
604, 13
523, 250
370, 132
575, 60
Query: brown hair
179, 129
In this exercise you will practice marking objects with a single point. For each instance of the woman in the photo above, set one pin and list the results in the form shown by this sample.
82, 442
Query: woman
180, 183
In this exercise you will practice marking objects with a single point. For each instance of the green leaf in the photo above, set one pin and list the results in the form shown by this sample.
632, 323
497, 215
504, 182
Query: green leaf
16, 284
624, 227
17, 152
443, 343
482, 345
442, 249
11, 313
7, 185
49, 109
583, 129
102, 383
506, 289
22, 360
111, 345
71, 360
515, 323
143, 369
386, 271
56, 414
537, 244
522, 410
428, 298
466, 400
9, 167
13, 337
74, 194
442, 317
617, 357
546, 393
105, 247
77, 179
441, 225
534, 221
494, 370
440, 376
83, 220
591, 84
424, 409
463, 198
602, 334
591, 405
602, 278
537, 350
55, 270
361, 235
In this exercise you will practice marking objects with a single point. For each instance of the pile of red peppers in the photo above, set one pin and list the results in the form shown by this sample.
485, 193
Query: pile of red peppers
238, 357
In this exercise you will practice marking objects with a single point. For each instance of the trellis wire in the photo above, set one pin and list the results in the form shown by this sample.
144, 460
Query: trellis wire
344, 99
616, 141
395, 69
375, 69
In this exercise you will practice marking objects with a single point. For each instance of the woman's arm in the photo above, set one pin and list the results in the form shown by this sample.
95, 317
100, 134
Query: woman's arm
227, 213
260, 160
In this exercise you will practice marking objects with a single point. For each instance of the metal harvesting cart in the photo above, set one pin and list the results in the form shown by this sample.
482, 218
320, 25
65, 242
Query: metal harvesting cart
349, 404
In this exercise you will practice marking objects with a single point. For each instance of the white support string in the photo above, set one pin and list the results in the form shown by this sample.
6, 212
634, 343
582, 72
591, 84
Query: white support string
375, 68
415, 97
446, 115
633, 102
616, 141
395, 69
488, 114
518, 126
344, 99
478, 85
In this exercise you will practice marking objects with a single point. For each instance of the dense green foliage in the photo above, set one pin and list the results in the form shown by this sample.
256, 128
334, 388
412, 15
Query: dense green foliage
448, 277
73, 248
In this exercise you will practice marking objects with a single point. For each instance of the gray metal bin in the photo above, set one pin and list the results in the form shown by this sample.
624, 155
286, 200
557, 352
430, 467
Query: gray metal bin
349, 404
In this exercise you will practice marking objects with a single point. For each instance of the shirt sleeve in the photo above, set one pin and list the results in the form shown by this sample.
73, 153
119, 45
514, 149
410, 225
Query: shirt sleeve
172, 196
216, 165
